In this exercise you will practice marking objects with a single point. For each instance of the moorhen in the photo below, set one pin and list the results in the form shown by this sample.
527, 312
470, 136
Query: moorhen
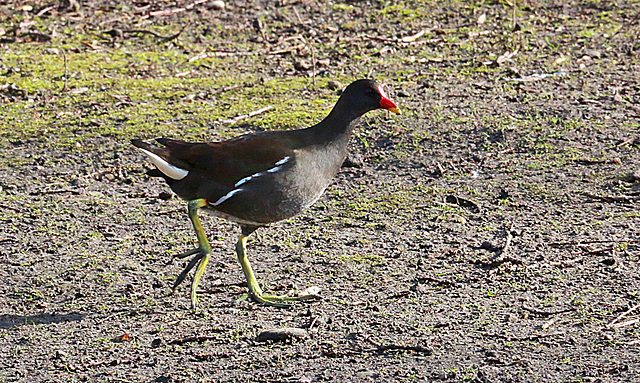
261, 178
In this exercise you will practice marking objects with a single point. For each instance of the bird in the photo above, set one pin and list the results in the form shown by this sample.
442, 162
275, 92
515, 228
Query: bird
260, 178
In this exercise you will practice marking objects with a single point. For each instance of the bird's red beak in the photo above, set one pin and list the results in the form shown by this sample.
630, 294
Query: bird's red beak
386, 103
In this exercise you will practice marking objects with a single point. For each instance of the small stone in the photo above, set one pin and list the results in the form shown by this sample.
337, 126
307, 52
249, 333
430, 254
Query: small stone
608, 261
333, 85
302, 65
324, 62
52, 51
217, 5
310, 291
164, 196
593, 53
282, 334
367, 374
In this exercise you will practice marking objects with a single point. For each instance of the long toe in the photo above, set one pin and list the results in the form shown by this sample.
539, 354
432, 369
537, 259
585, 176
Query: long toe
199, 254
190, 252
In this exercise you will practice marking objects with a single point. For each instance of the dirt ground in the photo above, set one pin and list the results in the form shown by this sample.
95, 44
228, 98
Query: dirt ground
488, 234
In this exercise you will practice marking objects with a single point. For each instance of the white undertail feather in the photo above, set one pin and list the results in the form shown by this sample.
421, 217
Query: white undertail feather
166, 168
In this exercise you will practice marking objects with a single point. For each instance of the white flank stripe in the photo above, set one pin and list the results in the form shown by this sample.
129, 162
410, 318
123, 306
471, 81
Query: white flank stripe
282, 161
245, 179
166, 168
272, 170
226, 197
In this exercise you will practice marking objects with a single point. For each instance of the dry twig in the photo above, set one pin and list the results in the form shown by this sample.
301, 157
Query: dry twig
66, 71
611, 199
397, 347
249, 115
195, 339
9, 208
614, 323
543, 313
523, 338
507, 242
122, 32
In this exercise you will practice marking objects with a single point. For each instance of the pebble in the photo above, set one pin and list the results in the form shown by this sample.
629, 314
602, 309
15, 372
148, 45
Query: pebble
217, 4
282, 334
333, 85
593, 53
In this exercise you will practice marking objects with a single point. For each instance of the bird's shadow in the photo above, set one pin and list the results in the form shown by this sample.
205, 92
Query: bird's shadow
8, 321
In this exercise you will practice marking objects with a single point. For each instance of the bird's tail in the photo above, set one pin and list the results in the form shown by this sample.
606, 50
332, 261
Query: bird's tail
161, 158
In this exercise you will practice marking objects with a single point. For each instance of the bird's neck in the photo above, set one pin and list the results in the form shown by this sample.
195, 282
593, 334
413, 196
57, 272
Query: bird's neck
338, 125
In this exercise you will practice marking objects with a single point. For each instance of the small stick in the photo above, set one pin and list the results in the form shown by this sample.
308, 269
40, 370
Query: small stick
386, 347
114, 32
198, 339
545, 313
436, 280
9, 208
621, 199
613, 322
633, 20
524, 338
584, 243
625, 324
56, 191
298, 16
313, 63
66, 71
249, 115
226, 89
507, 243
380, 38
44, 10
167, 12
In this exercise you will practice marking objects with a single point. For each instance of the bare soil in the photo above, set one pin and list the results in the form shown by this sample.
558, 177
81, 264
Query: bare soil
489, 234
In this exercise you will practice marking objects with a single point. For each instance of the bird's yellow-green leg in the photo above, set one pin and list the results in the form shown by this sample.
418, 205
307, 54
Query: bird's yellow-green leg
254, 288
201, 253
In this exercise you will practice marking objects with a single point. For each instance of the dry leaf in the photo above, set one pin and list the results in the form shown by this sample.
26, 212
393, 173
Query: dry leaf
123, 338
482, 18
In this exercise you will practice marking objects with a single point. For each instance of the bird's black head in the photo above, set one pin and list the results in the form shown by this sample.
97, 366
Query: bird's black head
365, 95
